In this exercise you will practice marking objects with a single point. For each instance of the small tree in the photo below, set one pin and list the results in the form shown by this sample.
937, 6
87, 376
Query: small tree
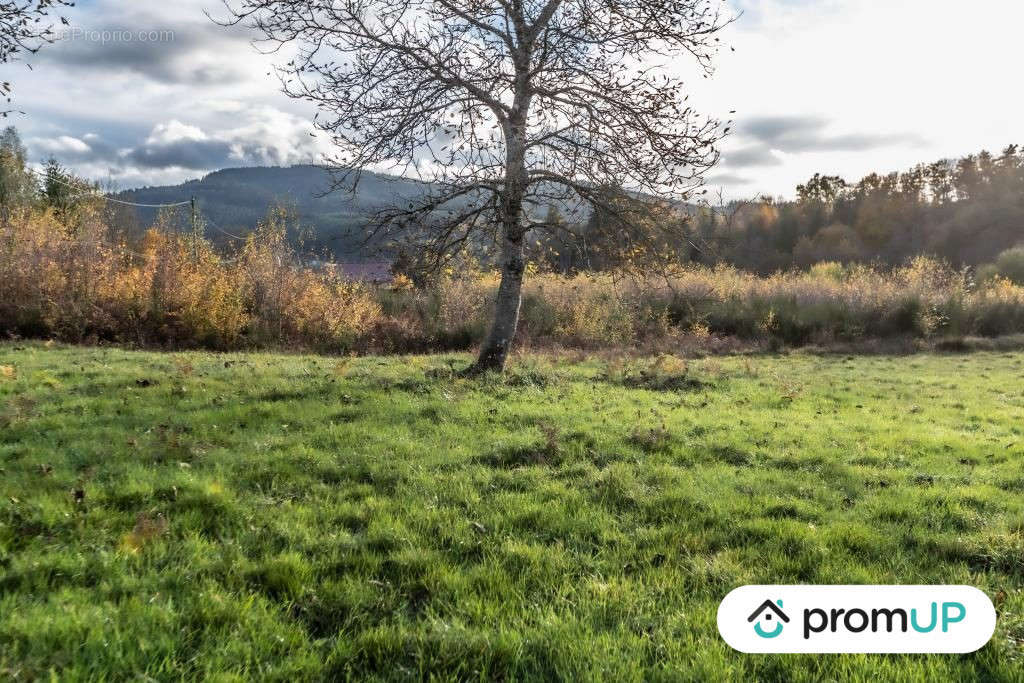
57, 190
502, 108
18, 185
25, 27
1010, 264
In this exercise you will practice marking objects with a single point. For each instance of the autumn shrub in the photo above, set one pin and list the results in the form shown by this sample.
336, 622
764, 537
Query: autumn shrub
538, 316
450, 314
463, 309
67, 278
997, 309
586, 311
1010, 264
73, 283
293, 304
55, 277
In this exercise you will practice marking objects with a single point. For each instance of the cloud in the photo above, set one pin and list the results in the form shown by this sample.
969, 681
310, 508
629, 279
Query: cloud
774, 128
751, 156
859, 142
793, 134
72, 150
268, 136
262, 136
777, 141
728, 179
156, 92
194, 155
175, 131
166, 44
182, 54
63, 144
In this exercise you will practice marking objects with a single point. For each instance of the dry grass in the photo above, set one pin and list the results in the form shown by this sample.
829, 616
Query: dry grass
71, 282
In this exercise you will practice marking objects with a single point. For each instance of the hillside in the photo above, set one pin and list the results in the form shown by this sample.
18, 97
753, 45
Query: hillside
235, 199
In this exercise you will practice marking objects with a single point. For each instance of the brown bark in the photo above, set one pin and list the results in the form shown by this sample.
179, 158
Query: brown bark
494, 353
495, 350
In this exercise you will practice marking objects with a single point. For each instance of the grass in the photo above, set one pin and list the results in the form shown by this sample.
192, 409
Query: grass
237, 517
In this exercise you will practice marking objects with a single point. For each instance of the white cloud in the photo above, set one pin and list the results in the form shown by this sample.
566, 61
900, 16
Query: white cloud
175, 150
277, 137
174, 131
59, 145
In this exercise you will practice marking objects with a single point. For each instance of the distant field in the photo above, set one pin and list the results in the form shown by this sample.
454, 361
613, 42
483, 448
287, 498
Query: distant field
267, 517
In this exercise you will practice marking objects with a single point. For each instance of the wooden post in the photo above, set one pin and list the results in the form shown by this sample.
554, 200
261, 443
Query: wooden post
195, 231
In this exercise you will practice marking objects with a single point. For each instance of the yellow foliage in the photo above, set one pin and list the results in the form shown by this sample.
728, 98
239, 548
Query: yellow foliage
74, 283
402, 283
67, 279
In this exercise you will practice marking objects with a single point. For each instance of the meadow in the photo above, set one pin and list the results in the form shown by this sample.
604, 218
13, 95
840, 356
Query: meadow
295, 517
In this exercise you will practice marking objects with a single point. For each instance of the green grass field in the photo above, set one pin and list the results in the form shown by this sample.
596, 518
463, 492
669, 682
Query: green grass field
270, 517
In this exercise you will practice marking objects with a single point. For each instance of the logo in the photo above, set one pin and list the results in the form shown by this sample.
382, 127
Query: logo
767, 612
857, 619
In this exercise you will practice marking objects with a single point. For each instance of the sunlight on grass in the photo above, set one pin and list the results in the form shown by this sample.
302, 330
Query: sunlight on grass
297, 517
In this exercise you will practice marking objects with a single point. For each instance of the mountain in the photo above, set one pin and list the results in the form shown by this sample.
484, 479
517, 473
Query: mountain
234, 200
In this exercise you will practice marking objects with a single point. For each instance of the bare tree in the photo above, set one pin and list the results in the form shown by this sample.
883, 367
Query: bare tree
502, 107
25, 27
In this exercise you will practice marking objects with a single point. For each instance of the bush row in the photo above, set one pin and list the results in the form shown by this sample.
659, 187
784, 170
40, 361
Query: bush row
73, 283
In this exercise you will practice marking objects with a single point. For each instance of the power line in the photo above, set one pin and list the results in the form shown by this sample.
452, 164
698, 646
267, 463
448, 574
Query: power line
121, 247
97, 195
145, 206
209, 221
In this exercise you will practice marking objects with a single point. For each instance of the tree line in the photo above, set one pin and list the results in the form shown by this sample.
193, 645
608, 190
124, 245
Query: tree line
56, 188
966, 211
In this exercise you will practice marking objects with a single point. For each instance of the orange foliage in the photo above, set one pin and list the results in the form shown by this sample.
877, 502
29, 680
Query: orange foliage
72, 283
69, 280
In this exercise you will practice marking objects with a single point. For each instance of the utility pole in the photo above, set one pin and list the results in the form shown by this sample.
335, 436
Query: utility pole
195, 231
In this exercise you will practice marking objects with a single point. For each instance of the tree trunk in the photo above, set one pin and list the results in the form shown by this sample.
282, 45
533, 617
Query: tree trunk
494, 352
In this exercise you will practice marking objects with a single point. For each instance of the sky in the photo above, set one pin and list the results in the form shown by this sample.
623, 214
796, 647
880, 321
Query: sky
150, 93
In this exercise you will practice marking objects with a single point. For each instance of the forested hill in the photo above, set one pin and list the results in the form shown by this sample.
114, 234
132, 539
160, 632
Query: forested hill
235, 199
966, 211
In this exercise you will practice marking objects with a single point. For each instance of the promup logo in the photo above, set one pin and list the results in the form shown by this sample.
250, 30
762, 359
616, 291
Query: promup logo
767, 612
867, 619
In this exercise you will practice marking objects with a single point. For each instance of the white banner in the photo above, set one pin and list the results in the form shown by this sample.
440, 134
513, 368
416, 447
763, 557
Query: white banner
856, 619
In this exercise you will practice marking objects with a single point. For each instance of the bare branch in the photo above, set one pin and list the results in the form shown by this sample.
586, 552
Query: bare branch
25, 28
501, 106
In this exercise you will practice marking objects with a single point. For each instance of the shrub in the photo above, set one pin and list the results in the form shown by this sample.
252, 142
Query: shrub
70, 282
1010, 264
539, 317
65, 278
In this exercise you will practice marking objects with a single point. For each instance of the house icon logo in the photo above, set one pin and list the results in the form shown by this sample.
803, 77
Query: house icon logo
769, 619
